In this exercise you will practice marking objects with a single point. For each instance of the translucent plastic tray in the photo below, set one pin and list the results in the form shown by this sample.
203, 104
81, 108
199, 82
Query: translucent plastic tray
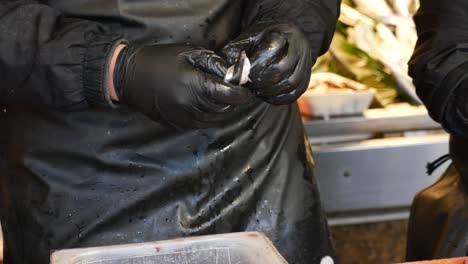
237, 248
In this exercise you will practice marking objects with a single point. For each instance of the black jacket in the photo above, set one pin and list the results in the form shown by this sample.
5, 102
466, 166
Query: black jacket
439, 66
53, 52
78, 173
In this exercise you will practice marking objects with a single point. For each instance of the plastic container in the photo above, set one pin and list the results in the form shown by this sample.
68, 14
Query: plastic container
237, 248
339, 104
336, 103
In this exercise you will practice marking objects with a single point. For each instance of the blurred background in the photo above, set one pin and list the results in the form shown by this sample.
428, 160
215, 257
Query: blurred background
371, 137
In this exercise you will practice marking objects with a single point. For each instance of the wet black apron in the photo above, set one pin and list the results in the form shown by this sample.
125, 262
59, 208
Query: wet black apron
102, 177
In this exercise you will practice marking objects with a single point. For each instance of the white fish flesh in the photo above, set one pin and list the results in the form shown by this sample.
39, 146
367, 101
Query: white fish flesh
238, 73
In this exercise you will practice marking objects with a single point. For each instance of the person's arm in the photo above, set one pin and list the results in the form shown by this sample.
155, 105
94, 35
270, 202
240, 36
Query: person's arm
439, 65
317, 18
50, 60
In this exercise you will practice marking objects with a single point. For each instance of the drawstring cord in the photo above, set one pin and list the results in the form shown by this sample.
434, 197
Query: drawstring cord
432, 166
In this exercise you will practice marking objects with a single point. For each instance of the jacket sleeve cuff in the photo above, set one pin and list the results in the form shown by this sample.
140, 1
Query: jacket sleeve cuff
96, 64
316, 18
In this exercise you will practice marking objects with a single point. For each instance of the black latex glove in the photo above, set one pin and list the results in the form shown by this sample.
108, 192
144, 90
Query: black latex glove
179, 84
281, 59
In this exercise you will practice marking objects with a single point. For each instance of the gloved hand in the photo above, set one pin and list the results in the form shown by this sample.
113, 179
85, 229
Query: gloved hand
178, 84
281, 59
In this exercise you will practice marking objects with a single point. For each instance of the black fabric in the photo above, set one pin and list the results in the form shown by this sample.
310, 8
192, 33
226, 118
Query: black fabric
63, 56
439, 66
92, 176
316, 18
110, 178
50, 60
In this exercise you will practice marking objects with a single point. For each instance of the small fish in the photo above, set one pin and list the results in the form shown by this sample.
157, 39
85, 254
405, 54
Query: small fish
402, 7
414, 5
382, 45
404, 82
375, 8
238, 74
350, 16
